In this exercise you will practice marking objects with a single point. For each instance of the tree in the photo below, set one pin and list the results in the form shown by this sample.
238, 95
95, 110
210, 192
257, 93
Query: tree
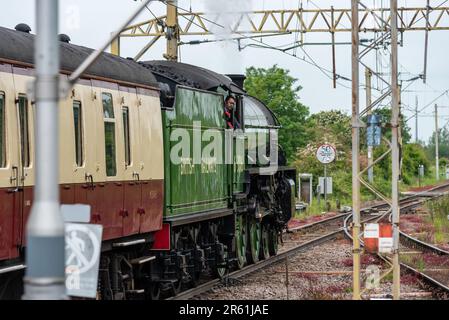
278, 90
443, 144
333, 127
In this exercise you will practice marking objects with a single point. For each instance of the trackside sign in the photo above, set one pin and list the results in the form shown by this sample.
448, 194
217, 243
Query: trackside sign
378, 237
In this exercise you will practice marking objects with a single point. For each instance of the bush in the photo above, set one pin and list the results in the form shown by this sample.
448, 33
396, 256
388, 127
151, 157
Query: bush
413, 156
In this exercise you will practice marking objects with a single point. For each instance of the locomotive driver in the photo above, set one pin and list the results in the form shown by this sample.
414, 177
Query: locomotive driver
231, 122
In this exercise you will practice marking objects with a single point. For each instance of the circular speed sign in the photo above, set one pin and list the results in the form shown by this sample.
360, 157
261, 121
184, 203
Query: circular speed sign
326, 153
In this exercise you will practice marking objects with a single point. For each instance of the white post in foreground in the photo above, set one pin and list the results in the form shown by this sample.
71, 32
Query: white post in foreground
45, 274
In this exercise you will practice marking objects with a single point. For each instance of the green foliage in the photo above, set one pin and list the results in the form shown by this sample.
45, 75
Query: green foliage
278, 90
444, 162
443, 144
413, 156
439, 212
333, 127
302, 134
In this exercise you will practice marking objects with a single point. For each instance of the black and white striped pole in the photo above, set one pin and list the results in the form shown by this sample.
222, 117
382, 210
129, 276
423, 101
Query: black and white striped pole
45, 274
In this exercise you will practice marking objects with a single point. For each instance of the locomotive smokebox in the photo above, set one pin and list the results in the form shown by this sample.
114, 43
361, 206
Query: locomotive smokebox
238, 79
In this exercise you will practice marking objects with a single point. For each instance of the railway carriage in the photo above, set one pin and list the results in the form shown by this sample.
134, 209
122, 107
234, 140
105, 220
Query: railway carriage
168, 217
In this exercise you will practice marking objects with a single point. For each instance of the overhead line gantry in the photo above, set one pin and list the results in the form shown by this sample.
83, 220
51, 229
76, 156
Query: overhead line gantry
328, 20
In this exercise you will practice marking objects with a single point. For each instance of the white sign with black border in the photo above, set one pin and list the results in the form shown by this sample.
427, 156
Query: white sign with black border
82, 251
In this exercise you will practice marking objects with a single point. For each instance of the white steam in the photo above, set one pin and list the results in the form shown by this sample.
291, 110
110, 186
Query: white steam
227, 14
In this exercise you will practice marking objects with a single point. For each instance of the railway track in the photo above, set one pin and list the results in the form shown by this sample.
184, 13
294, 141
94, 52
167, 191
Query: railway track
322, 231
313, 234
412, 200
307, 236
439, 277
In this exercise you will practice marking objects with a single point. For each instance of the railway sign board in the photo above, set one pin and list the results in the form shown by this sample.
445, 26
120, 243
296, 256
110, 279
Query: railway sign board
378, 237
326, 153
325, 185
373, 130
82, 254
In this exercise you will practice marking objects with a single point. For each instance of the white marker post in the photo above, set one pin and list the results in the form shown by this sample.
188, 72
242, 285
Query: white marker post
45, 275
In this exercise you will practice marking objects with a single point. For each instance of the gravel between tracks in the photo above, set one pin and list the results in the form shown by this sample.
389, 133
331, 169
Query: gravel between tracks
320, 273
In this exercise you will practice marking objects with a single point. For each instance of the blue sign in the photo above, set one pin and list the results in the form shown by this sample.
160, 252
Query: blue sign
373, 131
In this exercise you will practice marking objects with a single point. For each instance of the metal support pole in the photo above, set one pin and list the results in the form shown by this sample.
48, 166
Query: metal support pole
437, 149
172, 32
325, 184
426, 42
45, 275
395, 148
146, 48
355, 149
334, 66
416, 119
115, 46
368, 75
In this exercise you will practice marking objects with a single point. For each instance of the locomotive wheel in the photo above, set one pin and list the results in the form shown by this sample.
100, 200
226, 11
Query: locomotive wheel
265, 242
255, 236
194, 278
240, 241
273, 247
221, 272
170, 289
153, 292
197, 269
177, 287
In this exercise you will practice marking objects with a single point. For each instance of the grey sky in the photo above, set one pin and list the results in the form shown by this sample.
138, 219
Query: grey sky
89, 23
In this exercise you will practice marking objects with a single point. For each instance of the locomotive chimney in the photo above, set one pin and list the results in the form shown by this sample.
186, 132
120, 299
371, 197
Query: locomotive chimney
238, 79
64, 38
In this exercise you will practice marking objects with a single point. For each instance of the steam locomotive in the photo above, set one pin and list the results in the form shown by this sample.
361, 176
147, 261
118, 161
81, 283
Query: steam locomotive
146, 146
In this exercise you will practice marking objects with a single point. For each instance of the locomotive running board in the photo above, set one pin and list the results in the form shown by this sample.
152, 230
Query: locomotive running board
12, 268
272, 170
143, 260
128, 243
198, 216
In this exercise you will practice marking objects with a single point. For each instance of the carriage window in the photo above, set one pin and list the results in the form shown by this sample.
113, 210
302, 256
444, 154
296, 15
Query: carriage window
78, 123
108, 108
125, 114
2, 131
109, 135
24, 131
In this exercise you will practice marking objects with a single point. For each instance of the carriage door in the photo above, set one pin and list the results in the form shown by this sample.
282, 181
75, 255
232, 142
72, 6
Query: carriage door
25, 178
130, 137
10, 191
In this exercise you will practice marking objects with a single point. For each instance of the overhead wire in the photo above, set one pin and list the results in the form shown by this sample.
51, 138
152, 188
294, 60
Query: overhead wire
311, 61
325, 71
429, 104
